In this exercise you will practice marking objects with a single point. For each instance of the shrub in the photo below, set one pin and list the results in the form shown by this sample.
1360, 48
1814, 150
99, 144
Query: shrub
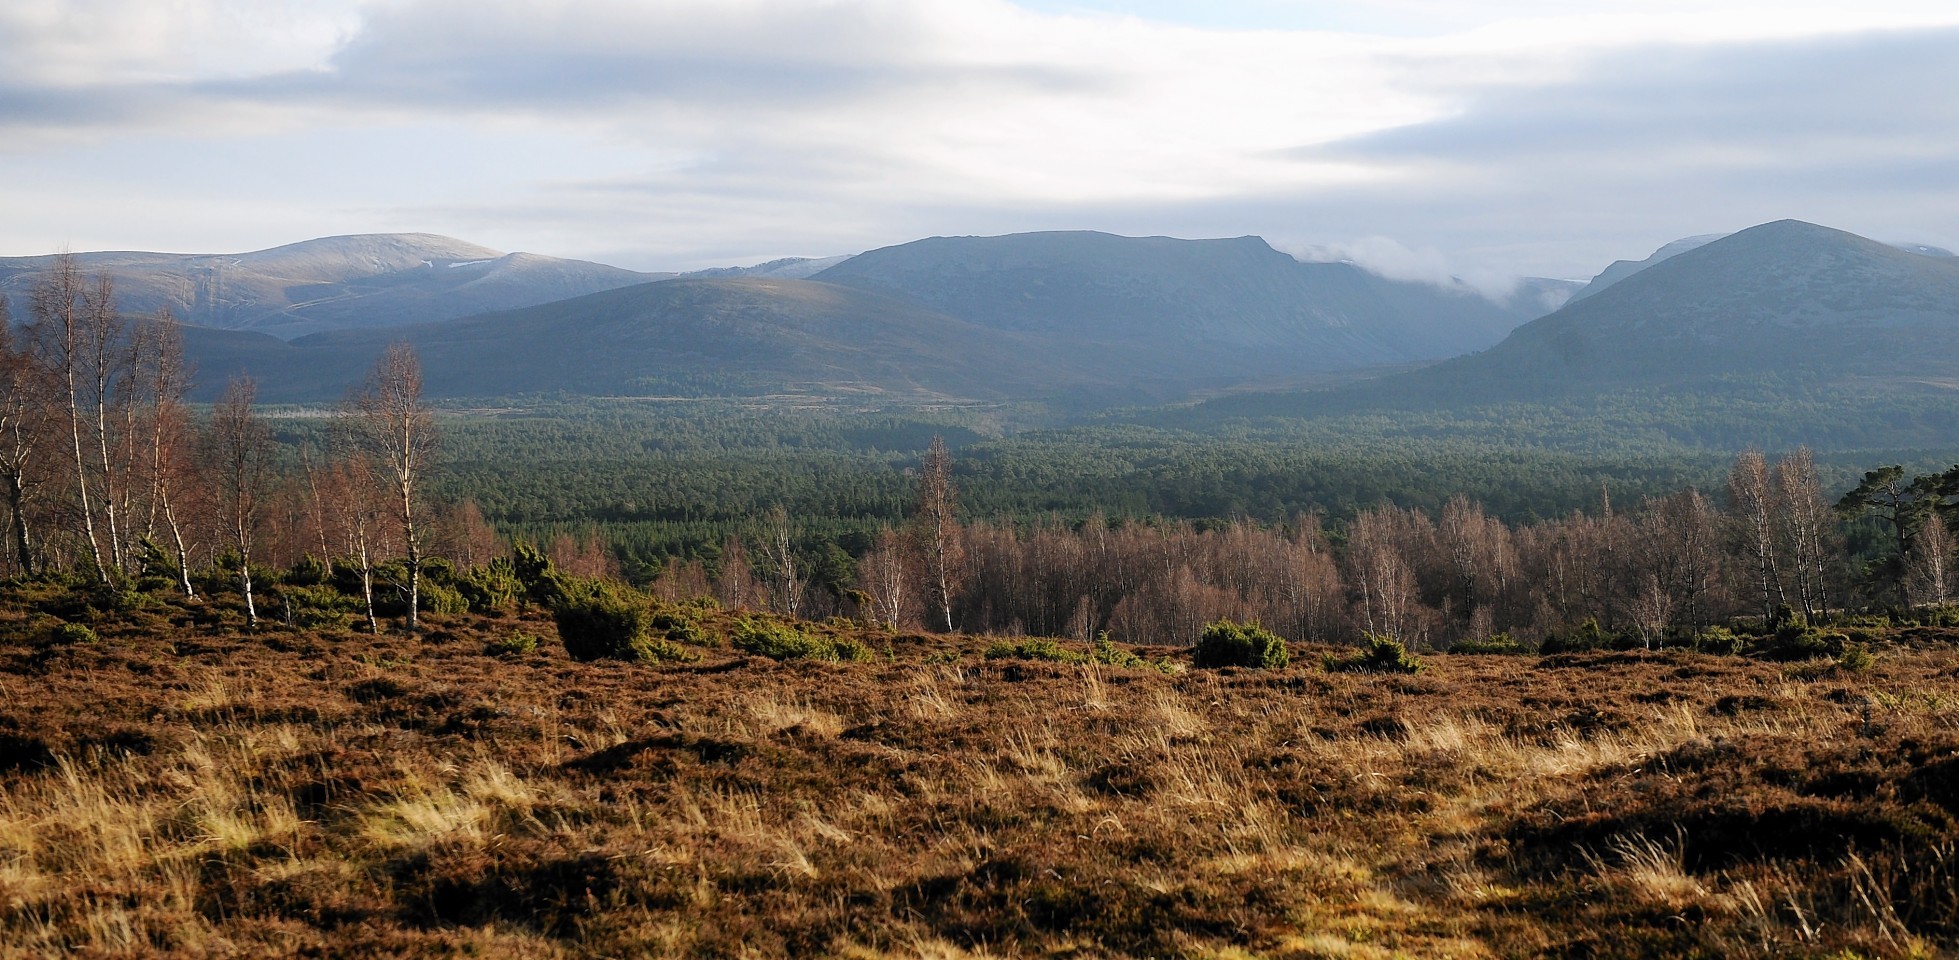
781, 641
1230, 644
441, 598
490, 587
309, 571
541, 584
1381, 655
316, 606
1500, 643
1856, 658
73, 633
1033, 649
1718, 640
1584, 638
598, 621
517, 644
1797, 640
679, 626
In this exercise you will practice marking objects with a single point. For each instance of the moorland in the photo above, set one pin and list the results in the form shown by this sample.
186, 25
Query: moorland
177, 783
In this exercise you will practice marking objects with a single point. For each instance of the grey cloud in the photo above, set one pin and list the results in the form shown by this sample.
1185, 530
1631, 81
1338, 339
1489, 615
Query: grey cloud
505, 57
1808, 101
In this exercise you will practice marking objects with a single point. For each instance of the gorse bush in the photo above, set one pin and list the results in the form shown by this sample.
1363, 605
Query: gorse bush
781, 641
1227, 643
1380, 655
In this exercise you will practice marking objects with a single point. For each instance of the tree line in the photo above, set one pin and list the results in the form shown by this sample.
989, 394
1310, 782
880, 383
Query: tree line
109, 476
1774, 549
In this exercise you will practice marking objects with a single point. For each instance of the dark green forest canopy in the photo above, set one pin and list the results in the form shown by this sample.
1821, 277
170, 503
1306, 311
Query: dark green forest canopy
660, 480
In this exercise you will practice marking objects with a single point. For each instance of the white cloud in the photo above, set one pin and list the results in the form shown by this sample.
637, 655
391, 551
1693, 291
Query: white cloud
692, 130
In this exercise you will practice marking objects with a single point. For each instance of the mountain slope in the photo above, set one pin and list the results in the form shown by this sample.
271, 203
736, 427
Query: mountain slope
1784, 333
688, 336
1788, 298
375, 280
1080, 318
1207, 307
1621, 269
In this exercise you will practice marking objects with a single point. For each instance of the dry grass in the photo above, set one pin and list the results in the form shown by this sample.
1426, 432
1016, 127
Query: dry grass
294, 793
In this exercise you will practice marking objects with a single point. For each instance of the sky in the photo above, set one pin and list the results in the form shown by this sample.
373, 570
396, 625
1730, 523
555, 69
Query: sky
1424, 138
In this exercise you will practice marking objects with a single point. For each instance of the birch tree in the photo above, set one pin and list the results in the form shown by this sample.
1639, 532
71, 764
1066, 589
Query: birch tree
26, 391
63, 308
239, 448
1752, 500
389, 422
936, 522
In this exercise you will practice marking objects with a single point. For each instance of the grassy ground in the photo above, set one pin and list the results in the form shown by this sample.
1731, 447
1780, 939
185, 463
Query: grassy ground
180, 786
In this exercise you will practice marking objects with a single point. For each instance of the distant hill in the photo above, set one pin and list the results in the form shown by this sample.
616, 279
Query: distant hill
1193, 308
787, 268
1788, 329
1084, 319
376, 280
688, 336
1621, 269
1785, 297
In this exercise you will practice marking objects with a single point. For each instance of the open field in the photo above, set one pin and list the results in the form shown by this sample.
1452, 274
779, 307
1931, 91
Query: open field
179, 786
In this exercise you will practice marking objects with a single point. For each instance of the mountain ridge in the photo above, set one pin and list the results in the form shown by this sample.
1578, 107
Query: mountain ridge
355, 280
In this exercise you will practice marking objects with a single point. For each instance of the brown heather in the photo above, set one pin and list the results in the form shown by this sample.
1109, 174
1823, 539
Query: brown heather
182, 787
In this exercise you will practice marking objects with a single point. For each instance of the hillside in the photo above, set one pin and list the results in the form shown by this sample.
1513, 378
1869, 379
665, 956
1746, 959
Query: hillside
377, 280
1787, 328
689, 336
1086, 319
1213, 306
1787, 298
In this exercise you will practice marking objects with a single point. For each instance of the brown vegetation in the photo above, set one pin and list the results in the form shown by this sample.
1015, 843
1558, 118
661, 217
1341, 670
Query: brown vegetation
180, 785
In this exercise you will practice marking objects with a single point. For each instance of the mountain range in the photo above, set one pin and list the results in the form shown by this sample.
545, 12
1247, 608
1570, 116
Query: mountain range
1077, 318
374, 280
1084, 318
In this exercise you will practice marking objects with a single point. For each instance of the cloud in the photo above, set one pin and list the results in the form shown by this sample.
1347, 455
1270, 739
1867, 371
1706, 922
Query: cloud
1486, 140
1387, 257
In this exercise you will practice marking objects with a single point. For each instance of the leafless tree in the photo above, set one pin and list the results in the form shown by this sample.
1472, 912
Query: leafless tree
1382, 580
26, 394
884, 581
359, 508
239, 448
1799, 500
1678, 546
1752, 502
392, 425
165, 423
782, 554
68, 312
736, 584
936, 522
1929, 576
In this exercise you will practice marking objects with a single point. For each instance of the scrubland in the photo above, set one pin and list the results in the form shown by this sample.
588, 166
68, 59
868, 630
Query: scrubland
178, 785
